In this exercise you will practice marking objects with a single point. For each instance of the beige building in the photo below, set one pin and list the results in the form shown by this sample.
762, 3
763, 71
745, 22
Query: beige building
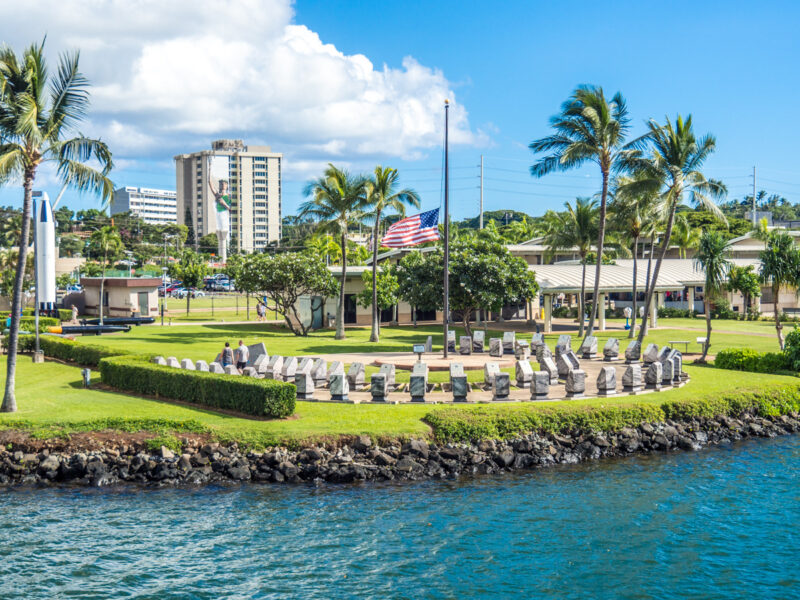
254, 175
123, 296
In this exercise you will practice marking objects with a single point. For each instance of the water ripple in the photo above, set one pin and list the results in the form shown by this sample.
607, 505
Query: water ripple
721, 523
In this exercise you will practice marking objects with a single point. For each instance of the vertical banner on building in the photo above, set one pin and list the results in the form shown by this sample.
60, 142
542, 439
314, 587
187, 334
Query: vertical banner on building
219, 184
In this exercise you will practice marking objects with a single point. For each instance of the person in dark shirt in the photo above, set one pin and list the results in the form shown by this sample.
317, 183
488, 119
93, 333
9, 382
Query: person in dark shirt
227, 355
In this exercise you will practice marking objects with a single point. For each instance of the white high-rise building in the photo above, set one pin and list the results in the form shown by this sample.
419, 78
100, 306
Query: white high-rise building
254, 188
155, 207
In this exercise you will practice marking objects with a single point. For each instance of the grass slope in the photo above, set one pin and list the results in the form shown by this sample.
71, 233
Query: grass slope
52, 401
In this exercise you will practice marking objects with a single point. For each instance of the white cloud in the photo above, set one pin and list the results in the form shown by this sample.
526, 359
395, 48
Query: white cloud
169, 77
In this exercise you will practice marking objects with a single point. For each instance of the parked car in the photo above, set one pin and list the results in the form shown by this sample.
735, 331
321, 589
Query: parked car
181, 292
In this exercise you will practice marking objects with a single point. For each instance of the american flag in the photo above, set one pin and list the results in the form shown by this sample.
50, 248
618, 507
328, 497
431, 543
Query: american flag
414, 230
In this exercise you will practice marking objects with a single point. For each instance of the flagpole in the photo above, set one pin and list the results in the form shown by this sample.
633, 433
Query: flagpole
446, 316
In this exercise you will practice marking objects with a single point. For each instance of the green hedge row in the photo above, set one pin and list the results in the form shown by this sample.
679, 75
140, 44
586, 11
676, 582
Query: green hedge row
746, 359
64, 314
258, 397
29, 323
457, 424
68, 350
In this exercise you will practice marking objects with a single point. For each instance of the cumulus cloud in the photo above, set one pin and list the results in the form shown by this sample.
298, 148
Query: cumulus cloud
170, 76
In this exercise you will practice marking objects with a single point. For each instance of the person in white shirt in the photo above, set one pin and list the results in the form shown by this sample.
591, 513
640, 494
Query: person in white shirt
242, 356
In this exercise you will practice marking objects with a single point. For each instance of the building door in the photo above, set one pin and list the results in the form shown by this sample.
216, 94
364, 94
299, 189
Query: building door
387, 314
144, 304
349, 308
317, 310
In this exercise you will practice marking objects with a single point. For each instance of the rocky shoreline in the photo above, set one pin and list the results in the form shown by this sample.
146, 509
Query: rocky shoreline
363, 460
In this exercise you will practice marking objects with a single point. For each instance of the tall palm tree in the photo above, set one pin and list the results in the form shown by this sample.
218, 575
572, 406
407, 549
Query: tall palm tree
780, 266
38, 110
684, 235
631, 218
711, 252
383, 195
106, 240
674, 171
574, 228
337, 198
589, 128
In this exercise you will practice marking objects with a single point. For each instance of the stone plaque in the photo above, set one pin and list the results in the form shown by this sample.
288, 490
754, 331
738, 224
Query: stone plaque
523, 373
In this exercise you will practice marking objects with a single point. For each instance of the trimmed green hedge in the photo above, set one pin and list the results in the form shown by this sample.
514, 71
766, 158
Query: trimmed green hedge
88, 355
746, 359
258, 397
457, 424
29, 323
64, 314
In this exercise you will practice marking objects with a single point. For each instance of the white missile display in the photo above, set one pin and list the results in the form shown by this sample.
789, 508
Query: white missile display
45, 252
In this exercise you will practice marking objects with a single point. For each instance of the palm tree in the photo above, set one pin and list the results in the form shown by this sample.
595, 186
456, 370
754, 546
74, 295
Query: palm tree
589, 129
576, 227
631, 218
337, 198
711, 252
37, 111
780, 265
674, 171
382, 196
107, 241
519, 231
684, 235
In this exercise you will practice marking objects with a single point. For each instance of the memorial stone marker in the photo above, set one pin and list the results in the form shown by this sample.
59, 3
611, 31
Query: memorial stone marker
173, 362
458, 382
160, 360
576, 383
478, 341
495, 347
564, 341
201, 365
305, 385
633, 353
274, 368
588, 348
548, 366
389, 371
451, 340
632, 379
490, 371
231, 370
465, 345
540, 388
611, 350
541, 351
187, 364
523, 373
319, 371
378, 387
418, 387
289, 368
607, 381
522, 350
501, 386
340, 388
355, 376
650, 354
653, 376
215, 367
509, 338
256, 351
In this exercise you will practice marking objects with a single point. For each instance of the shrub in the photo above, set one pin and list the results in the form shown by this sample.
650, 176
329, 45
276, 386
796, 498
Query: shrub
29, 323
674, 313
745, 359
723, 310
258, 397
467, 425
791, 348
67, 350
564, 312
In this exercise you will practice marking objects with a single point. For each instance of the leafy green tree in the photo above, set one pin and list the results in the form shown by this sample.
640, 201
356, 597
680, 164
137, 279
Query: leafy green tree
65, 280
8, 262
711, 252
745, 281
684, 235
190, 268
38, 110
337, 198
11, 228
673, 170
286, 277
483, 275
589, 128
387, 287
415, 273
70, 245
91, 217
574, 228
208, 244
780, 268
384, 195
63, 217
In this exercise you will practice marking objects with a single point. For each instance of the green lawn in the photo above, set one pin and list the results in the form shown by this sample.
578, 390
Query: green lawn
205, 341
51, 396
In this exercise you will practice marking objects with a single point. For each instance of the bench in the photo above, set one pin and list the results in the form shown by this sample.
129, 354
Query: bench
684, 342
701, 341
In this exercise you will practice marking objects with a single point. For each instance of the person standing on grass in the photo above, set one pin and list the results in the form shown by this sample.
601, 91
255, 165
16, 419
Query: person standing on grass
227, 355
74, 313
260, 311
242, 356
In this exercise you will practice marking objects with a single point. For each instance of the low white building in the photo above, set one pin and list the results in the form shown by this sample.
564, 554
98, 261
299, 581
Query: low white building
154, 207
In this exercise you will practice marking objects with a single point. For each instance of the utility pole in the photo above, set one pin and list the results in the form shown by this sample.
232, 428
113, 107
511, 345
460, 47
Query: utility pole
754, 197
446, 226
480, 219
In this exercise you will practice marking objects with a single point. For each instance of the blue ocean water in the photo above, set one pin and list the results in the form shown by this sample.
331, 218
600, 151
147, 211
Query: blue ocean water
720, 523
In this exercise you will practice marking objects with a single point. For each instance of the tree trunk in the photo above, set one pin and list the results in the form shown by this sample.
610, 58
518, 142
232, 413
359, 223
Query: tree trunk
375, 335
706, 346
188, 296
9, 398
247, 300
465, 318
582, 298
601, 233
103, 282
651, 288
340, 308
647, 281
778, 325
632, 332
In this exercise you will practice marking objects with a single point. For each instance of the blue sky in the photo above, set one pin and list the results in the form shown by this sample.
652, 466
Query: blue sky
731, 64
